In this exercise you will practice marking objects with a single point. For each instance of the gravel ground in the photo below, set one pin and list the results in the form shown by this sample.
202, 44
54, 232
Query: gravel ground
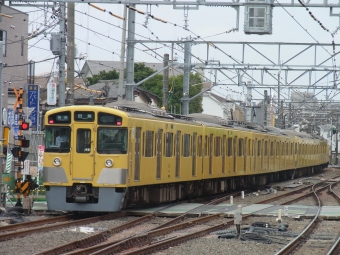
211, 244
36, 243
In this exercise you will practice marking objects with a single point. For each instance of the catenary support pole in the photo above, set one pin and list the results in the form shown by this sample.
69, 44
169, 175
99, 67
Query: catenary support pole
70, 54
186, 76
165, 81
130, 52
61, 100
121, 91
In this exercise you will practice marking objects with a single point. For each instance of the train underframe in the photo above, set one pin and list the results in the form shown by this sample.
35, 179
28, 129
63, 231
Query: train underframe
176, 191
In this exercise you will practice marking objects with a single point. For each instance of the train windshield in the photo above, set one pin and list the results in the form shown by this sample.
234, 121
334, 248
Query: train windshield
57, 139
112, 140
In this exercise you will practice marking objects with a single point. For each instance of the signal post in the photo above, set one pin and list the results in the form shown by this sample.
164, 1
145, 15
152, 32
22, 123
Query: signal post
22, 187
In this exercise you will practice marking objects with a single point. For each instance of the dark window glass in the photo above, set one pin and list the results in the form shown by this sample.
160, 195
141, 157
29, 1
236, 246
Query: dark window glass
57, 139
112, 140
84, 116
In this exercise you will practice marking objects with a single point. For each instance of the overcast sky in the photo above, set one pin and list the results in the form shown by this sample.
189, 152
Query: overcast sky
98, 35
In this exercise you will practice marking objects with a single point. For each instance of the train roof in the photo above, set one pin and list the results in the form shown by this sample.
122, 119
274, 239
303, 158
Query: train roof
149, 111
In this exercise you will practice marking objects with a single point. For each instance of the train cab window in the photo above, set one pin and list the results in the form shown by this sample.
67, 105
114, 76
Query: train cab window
83, 141
57, 139
148, 144
168, 144
112, 140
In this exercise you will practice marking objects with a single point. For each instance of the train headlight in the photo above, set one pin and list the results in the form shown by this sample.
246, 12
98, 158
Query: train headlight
108, 163
57, 161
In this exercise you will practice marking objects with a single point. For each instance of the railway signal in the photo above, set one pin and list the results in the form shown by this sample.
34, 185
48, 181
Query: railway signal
24, 126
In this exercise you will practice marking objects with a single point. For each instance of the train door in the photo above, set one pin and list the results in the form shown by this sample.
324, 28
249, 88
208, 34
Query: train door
83, 156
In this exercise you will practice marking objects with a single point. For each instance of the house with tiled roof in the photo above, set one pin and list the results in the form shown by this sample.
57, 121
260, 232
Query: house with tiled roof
220, 106
92, 67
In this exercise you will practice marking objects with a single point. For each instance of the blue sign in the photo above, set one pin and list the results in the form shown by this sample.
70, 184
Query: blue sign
33, 102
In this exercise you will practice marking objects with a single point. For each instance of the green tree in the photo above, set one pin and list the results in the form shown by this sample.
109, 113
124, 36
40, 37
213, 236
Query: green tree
103, 75
176, 93
155, 86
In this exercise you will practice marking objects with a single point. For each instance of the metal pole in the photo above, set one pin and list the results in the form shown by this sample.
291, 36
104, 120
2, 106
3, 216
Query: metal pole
278, 100
336, 143
130, 52
186, 77
61, 100
2, 192
122, 61
70, 53
265, 109
165, 81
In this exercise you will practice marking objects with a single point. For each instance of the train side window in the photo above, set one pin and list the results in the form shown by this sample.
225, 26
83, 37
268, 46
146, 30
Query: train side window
240, 147
205, 152
283, 149
149, 144
230, 147
186, 145
259, 148
168, 144
271, 149
199, 146
217, 146
265, 148
83, 140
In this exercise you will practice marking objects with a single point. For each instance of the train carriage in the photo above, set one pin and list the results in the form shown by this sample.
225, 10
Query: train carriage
110, 158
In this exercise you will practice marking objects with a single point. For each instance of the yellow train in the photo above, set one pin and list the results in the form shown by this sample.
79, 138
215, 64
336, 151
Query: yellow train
103, 159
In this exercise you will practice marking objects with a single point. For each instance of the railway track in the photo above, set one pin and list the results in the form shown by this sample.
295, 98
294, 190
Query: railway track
155, 237
29, 228
153, 240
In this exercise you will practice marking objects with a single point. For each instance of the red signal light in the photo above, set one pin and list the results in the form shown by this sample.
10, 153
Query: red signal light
25, 126
50, 121
119, 123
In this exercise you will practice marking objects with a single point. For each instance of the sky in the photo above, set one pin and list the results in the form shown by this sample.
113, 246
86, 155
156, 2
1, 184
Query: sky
98, 36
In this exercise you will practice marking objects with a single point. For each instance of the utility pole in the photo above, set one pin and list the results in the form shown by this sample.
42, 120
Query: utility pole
278, 100
61, 100
186, 76
130, 56
336, 142
2, 186
122, 58
70, 54
165, 81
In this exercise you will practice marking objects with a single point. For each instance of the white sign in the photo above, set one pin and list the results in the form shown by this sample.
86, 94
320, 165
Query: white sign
41, 149
51, 93
26, 169
4, 116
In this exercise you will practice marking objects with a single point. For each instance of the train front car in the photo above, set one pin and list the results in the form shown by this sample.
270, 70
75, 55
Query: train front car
85, 159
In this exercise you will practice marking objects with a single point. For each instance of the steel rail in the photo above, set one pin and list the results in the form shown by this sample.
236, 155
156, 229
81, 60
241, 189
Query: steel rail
33, 223
7, 236
307, 230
